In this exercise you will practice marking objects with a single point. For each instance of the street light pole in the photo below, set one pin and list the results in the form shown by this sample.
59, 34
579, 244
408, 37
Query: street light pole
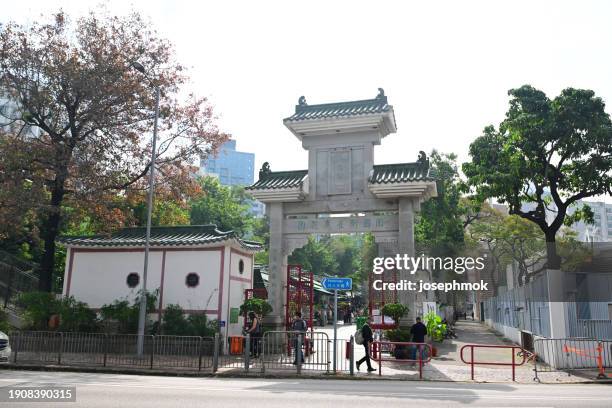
142, 316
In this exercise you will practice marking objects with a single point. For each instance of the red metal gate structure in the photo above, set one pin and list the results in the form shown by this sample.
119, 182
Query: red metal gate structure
378, 299
300, 295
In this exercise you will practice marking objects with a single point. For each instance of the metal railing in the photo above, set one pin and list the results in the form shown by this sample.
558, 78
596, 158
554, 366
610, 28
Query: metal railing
594, 329
569, 355
112, 350
522, 357
407, 352
276, 350
296, 350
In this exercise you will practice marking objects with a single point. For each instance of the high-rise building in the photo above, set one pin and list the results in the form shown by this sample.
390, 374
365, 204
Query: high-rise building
11, 118
601, 229
233, 168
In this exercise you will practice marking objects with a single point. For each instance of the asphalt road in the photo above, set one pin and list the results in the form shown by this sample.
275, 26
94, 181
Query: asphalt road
109, 390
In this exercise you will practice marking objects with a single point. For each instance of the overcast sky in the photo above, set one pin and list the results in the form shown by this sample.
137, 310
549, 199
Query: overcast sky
446, 66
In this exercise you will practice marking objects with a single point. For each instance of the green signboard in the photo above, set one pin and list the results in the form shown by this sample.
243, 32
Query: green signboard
234, 314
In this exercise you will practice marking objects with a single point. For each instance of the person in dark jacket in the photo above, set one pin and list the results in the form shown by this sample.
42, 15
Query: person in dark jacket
418, 331
299, 327
368, 337
255, 333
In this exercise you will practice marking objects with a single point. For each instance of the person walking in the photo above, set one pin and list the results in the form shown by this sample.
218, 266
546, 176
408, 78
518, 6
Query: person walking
299, 326
418, 332
255, 333
368, 337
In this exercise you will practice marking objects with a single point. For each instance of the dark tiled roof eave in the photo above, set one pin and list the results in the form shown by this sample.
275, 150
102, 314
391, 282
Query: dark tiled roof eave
340, 109
160, 237
280, 180
400, 173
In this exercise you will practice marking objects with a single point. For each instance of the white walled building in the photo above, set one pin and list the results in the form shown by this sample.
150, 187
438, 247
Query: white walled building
199, 268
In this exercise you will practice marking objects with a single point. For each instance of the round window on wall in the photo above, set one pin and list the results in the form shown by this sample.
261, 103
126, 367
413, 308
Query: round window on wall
133, 279
241, 266
192, 280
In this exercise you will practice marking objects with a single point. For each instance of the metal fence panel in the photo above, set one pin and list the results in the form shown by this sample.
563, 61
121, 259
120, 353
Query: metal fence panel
182, 352
83, 348
572, 355
122, 351
279, 350
36, 347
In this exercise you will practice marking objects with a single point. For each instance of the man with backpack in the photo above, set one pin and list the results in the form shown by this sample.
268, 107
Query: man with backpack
365, 337
299, 326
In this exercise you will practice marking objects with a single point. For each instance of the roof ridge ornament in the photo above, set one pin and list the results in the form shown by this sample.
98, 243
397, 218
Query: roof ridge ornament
265, 170
423, 161
381, 94
302, 101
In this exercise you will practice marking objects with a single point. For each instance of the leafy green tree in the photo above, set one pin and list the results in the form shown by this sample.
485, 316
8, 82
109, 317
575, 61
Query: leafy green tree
439, 225
548, 154
316, 256
515, 239
226, 207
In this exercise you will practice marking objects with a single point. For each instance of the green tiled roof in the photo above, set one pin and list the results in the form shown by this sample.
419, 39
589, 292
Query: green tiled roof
161, 236
329, 110
401, 172
279, 179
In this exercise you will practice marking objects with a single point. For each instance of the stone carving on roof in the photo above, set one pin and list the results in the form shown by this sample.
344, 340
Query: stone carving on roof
265, 170
423, 161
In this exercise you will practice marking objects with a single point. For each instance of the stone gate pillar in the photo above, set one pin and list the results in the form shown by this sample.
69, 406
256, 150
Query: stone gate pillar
406, 246
277, 266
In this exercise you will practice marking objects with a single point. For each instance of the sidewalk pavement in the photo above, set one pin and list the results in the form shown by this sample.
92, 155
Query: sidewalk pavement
447, 366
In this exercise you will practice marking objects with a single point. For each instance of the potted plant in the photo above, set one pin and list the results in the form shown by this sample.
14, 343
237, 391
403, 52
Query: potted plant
395, 311
400, 352
435, 329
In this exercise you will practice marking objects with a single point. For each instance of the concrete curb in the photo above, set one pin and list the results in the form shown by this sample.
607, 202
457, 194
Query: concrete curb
303, 376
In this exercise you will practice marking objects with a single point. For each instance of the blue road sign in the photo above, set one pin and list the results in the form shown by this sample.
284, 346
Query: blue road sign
337, 283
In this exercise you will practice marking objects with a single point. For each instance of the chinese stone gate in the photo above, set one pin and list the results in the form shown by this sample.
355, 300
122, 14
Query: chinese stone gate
342, 191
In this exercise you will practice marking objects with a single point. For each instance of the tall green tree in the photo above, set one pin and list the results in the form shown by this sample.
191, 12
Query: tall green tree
73, 81
227, 207
316, 256
547, 153
439, 225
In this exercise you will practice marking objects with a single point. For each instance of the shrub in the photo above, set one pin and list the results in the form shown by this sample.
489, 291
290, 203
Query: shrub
400, 335
435, 328
260, 306
37, 309
175, 323
395, 311
4, 323
125, 316
200, 326
74, 315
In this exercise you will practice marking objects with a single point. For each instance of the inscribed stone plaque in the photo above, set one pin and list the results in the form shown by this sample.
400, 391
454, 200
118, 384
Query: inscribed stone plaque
340, 174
